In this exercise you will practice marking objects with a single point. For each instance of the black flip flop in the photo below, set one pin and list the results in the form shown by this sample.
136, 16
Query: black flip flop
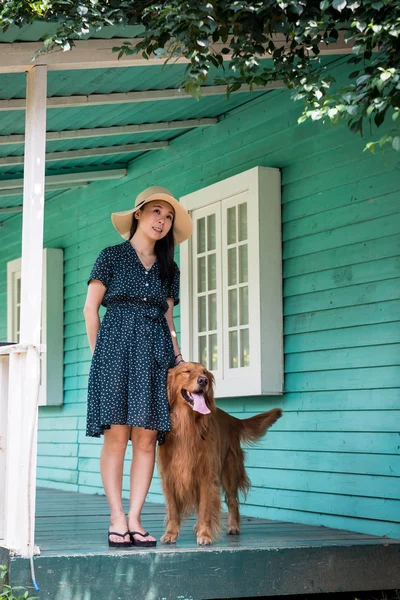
119, 544
148, 544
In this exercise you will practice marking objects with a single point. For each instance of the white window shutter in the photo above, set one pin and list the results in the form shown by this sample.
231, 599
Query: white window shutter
52, 326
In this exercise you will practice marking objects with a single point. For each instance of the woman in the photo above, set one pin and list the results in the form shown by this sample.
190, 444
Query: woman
138, 282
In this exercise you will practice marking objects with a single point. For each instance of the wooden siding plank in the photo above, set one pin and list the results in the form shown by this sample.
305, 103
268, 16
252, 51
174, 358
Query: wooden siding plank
335, 462
392, 530
368, 272
350, 254
386, 204
342, 236
331, 319
360, 442
366, 188
343, 379
329, 420
335, 483
312, 401
332, 504
351, 295
363, 335
351, 358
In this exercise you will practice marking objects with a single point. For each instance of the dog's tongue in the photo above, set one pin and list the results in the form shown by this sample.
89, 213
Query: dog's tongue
199, 404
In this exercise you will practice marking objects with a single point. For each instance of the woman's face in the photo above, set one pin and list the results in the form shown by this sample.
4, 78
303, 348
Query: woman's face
156, 219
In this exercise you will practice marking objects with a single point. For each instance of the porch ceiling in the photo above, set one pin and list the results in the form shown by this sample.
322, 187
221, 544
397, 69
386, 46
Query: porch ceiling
99, 95
82, 119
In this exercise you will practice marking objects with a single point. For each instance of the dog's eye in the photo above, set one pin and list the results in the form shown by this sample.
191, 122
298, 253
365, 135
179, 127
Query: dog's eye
186, 371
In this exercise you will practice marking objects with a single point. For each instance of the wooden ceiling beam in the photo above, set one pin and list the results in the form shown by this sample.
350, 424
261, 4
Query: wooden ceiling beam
12, 161
83, 176
71, 134
132, 97
48, 188
17, 57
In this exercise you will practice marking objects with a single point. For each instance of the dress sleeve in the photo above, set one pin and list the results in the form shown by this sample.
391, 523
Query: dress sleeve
173, 288
101, 269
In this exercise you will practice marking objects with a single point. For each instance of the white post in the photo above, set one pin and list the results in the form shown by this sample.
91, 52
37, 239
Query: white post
33, 205
4, 367
24, 363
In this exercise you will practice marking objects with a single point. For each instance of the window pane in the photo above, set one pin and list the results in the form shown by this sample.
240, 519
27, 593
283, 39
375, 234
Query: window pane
243, 268
213, 352
212, 271
232, 266
201, 235
211, 233
242, 222
203, 350
231, 225
232, 308
244, 305
201, 274
233, 349
244, 348
202, 307
19, 290
212, 312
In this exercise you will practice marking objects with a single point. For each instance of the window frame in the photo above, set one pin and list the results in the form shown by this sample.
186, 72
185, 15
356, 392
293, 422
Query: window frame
261, 187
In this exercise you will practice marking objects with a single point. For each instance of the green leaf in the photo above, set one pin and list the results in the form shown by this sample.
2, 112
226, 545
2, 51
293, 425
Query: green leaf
193, 89
324, 4
370, 146
396, 143
339, 4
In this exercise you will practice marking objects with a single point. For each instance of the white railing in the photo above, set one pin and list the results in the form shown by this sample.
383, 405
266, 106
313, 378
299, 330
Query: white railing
19, 388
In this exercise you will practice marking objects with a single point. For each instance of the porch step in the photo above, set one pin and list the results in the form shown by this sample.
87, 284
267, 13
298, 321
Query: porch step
269, 558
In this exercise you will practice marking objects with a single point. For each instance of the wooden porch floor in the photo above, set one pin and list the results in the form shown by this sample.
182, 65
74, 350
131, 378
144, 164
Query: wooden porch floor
269, 558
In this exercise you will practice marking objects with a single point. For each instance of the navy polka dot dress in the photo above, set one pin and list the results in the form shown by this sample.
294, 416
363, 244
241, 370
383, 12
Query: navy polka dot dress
133, 352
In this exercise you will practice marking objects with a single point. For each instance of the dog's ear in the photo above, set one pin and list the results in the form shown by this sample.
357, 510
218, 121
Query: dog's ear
171, 387
209, 394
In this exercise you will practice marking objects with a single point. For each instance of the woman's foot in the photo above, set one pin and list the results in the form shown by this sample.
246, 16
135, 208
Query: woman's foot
134, 525
119, 525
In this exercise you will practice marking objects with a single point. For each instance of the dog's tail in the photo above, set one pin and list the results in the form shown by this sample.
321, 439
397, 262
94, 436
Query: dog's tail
255, 427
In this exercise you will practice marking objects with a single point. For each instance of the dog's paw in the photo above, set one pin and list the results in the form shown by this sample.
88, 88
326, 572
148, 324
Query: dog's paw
233, 530
204, 540
169, 538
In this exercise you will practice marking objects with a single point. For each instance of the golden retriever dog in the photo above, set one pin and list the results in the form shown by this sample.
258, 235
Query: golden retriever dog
202, 454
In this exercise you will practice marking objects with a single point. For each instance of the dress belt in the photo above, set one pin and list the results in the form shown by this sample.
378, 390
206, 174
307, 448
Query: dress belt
155, 332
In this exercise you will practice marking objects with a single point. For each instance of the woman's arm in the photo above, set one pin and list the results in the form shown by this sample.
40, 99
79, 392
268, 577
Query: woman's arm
170, 321
94, 298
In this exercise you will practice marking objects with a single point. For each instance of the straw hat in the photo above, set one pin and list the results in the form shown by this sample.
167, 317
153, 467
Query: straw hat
183, 225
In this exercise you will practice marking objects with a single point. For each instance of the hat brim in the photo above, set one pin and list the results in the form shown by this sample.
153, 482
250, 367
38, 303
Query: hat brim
183, 225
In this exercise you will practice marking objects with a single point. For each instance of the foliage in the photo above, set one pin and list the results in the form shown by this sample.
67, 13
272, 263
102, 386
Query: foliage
289, 32
13, 593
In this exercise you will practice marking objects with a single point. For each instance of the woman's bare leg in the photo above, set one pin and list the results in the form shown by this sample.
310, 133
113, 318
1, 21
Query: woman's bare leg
142, 468
111, 468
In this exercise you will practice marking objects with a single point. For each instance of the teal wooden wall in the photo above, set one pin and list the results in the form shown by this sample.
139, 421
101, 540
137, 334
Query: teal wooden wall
333, 458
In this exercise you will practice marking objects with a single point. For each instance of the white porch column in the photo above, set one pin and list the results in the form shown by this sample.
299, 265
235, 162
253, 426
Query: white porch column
33, 205
24, 361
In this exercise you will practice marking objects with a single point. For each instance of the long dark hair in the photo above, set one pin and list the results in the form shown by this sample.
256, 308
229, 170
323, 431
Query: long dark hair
164, 250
